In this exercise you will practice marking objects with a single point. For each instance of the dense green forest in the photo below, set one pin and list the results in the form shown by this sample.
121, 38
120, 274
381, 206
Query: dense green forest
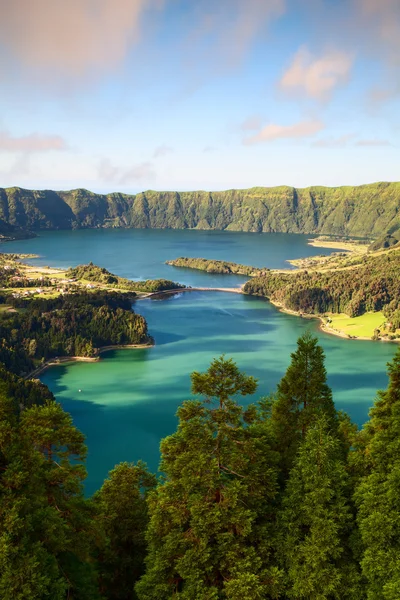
367, 210
91, 272
70, 325
216, 266
284, 499
371, 283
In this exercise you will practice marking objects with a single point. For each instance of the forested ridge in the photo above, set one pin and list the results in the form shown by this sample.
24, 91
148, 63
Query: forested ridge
367, 283
367, 210
284, 499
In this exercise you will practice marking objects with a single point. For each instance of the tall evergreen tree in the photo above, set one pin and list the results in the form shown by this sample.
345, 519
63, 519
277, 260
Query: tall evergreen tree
122, 517
45, 522
302, 395
203, 533
317, 521
378, 494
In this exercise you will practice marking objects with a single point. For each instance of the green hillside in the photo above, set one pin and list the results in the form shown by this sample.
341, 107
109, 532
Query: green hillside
367, 210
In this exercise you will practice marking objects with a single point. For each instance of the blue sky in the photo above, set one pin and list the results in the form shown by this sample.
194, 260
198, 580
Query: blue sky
178, 94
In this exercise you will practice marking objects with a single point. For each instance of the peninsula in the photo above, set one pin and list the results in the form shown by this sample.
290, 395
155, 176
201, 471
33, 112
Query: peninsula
355, 294
50, 316
221, 267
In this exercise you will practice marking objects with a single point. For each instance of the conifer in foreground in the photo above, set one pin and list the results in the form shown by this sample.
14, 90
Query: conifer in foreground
378, 494
122, 517
302, 395
317, 520
202, 536
46, 531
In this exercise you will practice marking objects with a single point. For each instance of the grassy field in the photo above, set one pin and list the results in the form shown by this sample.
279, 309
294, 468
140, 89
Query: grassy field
363, 326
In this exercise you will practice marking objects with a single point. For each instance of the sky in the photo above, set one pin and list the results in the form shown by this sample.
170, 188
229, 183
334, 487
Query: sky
130, 95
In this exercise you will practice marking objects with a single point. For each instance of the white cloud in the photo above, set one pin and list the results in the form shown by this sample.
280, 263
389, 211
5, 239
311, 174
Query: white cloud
316, 77
124, 175
162, 150
332, 142
373, 142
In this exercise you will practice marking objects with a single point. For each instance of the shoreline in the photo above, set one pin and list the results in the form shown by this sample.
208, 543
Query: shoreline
190, 289
350, 246
65, 360
323, 326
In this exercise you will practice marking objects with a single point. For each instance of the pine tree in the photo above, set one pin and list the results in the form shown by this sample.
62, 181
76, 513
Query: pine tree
302, 395
378, 494
205, 534
45, 522
317, 521
122, 516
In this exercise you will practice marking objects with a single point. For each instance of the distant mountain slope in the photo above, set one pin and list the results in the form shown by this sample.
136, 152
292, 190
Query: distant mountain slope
367, 210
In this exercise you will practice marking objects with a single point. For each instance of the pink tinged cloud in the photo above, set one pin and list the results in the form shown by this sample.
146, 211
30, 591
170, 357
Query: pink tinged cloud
316, 77
32, 143
71, 36
272, 132
381, 20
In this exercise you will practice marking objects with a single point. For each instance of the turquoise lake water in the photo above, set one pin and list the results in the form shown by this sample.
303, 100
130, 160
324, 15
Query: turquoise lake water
128, 400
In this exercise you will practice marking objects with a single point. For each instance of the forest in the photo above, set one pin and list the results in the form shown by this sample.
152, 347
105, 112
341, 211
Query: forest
370, 284
284, 498
70, 325
91, 272
216, 266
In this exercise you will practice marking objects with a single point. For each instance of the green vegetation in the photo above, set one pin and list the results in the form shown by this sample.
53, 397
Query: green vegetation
387, 241
122, 514
377, 494
357, 326
367, 210
302, 396
22, 280
285, 499
360, 285
70, 325
216, 266
93, 273
9, 232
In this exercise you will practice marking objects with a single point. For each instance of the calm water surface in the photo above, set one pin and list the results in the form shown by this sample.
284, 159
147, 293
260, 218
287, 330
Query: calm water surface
141, 253
128, 400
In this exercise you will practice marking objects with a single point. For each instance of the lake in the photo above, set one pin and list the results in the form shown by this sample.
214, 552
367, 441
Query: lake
128, 400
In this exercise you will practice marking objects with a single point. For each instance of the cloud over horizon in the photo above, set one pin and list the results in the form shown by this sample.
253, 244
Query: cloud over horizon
273, 131
197, 94
110, 173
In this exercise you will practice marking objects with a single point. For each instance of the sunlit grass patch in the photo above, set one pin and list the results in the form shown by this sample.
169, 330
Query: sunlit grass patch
363, 326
